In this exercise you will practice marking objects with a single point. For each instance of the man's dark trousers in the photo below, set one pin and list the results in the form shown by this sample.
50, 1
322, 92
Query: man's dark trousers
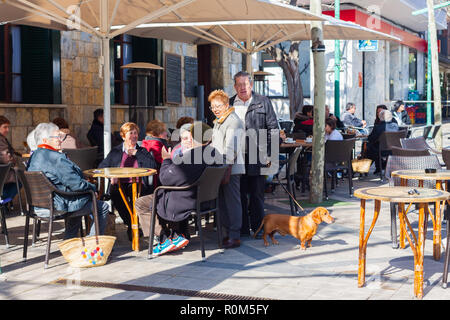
252, 201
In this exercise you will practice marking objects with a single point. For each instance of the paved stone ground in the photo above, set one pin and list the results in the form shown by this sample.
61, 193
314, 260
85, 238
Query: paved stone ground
327, 271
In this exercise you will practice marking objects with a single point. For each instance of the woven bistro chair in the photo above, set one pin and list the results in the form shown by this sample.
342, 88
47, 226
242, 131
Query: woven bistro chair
338, 157
396, 151
83, 157
207, 187
417, 143
40, 192
395, 163
387, 140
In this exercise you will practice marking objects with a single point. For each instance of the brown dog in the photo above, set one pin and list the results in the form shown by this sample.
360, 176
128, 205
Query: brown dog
302, 228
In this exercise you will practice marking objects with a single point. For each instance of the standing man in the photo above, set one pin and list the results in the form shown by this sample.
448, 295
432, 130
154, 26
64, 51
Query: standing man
256, 112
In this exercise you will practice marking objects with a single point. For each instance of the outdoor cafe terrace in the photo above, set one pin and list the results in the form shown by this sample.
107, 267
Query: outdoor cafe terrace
355, 258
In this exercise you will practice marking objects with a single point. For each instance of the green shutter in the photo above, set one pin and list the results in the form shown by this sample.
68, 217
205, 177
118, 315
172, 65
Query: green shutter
37, 65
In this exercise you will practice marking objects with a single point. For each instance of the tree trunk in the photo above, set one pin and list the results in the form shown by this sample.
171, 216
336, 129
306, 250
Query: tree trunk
318, 146
289, 62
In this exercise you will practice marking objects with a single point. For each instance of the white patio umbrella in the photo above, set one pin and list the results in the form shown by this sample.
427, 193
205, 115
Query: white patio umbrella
98, 16
256, 34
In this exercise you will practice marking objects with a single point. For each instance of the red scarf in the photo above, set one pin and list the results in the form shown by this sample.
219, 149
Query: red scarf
46, 146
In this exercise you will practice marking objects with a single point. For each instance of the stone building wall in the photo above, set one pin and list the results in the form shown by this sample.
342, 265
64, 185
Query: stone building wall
82, 92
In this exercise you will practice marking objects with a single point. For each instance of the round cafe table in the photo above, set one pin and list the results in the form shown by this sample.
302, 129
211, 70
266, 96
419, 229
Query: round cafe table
398, 195
134, 174
439, 177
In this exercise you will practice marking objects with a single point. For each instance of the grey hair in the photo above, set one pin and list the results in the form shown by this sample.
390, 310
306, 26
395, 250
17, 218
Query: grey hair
349, 106
243, 74
386, 115
44, 131
31, 142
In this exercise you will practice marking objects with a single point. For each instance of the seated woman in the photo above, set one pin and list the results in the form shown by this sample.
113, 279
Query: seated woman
68, 141
128, 154
380, 108
386, 124
330, 130
174, 207
304, 121
7, 154
66, 176
156, 139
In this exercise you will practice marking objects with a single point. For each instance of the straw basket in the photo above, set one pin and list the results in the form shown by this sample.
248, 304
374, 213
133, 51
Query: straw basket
87, 252
361, 165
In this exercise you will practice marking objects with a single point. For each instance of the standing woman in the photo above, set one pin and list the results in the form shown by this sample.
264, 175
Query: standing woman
128, 154
227, 139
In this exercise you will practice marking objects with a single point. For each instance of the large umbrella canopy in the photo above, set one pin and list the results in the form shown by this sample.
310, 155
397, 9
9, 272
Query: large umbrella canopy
98, 16
258, 34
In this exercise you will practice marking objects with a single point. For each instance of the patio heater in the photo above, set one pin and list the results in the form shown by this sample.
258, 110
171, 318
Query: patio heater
260, 83
142, 93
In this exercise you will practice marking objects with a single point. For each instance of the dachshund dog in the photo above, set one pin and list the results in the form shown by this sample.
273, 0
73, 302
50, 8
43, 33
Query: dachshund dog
302, 228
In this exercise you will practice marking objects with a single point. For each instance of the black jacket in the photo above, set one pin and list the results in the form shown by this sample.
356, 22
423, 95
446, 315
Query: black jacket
144, 158
182, 171
260, 115
374, 136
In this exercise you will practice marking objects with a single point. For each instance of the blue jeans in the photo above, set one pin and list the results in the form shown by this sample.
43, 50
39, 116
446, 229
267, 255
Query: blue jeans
9, 190
74, 224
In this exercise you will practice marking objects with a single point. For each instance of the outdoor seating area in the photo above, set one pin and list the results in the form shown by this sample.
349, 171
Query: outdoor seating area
224, 150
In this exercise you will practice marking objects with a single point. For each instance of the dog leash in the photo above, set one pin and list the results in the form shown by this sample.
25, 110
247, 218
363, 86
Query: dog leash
292, 197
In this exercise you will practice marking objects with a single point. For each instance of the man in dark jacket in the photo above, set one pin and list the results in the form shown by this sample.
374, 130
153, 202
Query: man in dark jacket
256, 112
386, 124
95, 133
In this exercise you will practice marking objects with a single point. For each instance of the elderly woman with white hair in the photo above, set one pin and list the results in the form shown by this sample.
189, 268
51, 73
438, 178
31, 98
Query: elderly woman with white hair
66, 176
385, 124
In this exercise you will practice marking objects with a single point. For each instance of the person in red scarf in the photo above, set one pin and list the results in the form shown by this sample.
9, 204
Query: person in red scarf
66, 176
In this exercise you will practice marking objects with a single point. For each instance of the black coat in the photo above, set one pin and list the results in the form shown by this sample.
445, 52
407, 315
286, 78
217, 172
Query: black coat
144, 158
378, 129
182, 171
260, 115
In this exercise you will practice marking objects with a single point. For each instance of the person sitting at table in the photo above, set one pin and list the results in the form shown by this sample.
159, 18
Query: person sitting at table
386, 124
155, 139
185, 140
7, 155
304, 121
124, 155
377, 113
339, 123
330, 130
349, 119
66, 176
174, 208
399, 114
68, 141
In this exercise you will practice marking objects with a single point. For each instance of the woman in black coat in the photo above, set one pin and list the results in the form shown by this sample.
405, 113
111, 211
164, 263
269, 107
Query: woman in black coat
128, 154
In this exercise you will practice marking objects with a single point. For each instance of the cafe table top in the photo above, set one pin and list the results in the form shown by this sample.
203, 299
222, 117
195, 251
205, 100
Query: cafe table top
400, 194
420, 174
297, 143
119, 172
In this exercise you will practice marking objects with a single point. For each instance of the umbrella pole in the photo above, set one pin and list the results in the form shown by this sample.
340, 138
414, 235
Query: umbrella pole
104, 26
106, 97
